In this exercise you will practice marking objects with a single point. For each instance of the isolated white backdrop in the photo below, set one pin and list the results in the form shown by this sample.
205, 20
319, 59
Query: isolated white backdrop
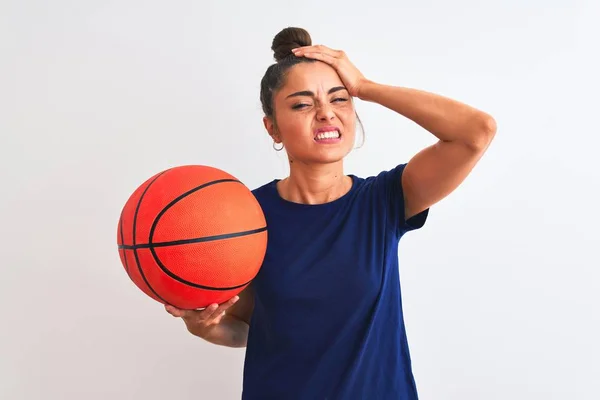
501, 288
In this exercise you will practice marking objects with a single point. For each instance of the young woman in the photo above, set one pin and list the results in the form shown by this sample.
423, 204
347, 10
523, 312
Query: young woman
323, 318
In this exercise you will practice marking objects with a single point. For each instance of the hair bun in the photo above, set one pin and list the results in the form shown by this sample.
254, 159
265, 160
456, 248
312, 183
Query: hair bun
288, 39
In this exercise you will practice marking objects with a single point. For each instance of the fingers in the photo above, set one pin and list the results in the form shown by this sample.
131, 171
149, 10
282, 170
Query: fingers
174, 311
209, 312
321, 53
326, 58
318, 49
210, 315
220, 311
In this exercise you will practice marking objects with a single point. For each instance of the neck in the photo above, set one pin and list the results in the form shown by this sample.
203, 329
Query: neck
310, 184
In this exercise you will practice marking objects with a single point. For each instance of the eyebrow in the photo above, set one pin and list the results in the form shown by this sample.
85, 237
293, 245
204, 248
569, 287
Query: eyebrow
311, 94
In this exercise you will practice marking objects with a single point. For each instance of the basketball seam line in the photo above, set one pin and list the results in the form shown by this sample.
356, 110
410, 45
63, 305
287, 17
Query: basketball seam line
191, 241
122, 241
135, 253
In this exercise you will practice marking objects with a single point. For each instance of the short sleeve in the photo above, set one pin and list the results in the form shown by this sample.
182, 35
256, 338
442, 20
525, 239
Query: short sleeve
389, 185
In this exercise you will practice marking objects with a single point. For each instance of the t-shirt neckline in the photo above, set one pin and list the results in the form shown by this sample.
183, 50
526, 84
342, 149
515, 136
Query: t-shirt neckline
289, 203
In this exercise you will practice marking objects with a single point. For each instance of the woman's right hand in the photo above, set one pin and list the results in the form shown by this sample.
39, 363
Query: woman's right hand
225, 324
201, 322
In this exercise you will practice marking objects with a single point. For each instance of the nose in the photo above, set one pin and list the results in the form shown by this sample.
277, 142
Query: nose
325, 112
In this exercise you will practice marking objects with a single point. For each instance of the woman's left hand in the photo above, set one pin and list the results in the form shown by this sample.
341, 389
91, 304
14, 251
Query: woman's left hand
349, 74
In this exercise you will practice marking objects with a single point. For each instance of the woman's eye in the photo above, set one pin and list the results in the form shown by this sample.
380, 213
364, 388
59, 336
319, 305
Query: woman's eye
299, 106
340, 99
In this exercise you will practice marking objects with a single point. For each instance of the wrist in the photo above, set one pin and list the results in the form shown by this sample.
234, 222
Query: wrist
365, 90
229, 332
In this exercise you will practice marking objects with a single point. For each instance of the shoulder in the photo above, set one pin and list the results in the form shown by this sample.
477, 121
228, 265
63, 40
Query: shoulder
264, 188
265, 192
388, 179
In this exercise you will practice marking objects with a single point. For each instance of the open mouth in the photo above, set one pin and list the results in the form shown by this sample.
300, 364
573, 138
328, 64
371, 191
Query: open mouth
329, 135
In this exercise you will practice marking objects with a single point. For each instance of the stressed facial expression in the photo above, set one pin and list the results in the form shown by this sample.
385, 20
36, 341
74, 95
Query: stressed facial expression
314, 115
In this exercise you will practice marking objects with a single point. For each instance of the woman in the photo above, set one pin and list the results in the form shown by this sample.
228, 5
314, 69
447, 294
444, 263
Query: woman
323, 318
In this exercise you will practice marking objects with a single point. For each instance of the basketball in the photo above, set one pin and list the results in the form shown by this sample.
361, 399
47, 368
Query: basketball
191, 236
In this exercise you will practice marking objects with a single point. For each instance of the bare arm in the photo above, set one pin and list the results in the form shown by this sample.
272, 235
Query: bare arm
226, 324
243, 309
464, 135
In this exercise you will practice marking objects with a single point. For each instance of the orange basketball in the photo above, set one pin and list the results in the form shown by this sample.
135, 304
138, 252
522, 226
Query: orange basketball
191, 236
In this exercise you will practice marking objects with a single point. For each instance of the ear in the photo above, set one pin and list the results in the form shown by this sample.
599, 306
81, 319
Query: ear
271, 129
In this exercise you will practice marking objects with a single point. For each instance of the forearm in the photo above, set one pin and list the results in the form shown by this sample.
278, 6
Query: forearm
230, 332
447, 119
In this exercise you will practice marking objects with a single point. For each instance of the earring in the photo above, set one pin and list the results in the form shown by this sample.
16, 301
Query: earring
277, 148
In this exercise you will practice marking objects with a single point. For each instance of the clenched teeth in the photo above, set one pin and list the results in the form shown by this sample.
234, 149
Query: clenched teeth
328, 135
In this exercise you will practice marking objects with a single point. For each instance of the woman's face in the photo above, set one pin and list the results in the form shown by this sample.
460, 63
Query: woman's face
314, 115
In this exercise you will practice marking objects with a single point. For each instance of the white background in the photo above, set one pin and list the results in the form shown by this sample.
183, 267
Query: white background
501, 288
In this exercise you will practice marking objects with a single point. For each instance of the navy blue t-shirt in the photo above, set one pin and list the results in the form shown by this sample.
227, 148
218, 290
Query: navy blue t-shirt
327, 321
